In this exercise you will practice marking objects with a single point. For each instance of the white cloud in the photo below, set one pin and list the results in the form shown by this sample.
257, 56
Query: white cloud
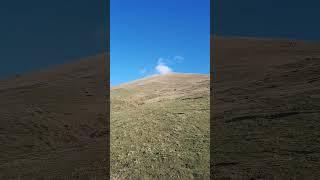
162, 68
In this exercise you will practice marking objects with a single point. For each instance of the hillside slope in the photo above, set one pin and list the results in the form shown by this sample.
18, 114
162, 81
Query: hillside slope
53, 122
160, 128
266, 109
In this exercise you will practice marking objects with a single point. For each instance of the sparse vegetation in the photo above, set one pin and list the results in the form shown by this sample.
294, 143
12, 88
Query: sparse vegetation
160, 128
50, 127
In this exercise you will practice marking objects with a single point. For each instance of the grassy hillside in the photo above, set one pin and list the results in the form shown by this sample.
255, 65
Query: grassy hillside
266, 109
160, 128
53, 123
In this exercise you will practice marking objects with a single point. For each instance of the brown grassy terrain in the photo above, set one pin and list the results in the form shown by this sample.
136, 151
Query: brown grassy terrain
266, 109
53, 123
160, 128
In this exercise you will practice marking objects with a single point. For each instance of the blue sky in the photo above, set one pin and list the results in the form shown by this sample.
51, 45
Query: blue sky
145, 34
294, 19
37, 34
152, 37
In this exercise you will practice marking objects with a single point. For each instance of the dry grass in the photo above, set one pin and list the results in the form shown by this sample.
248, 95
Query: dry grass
266, 109
52, 123
160, 128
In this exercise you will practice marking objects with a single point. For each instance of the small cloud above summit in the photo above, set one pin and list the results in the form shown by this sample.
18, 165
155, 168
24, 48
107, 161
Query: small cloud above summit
162, 68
